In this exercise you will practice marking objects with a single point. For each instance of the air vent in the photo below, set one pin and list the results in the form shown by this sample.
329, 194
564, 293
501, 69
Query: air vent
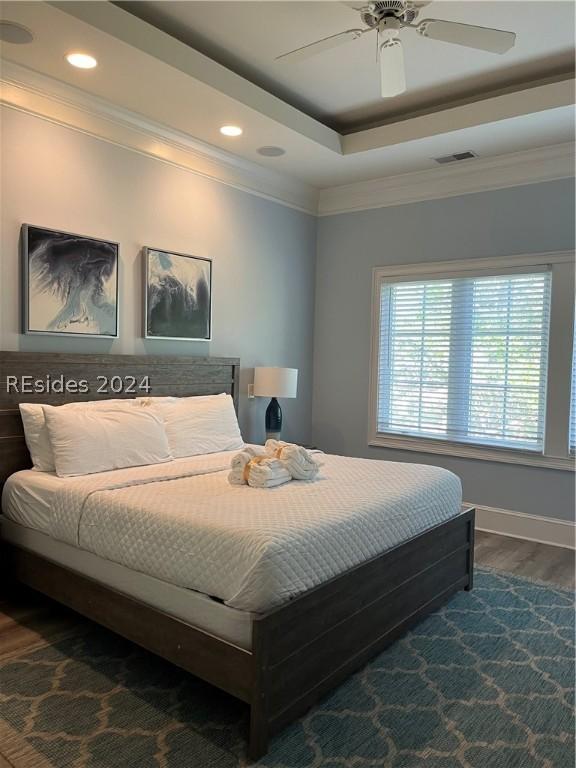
455, 157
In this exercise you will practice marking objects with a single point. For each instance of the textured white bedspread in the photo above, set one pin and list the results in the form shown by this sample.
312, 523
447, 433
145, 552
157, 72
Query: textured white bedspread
253, 548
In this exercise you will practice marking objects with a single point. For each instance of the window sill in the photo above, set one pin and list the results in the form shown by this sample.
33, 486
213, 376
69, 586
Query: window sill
421, 445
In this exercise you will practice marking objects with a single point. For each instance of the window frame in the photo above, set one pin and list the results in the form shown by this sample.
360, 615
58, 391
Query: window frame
556, 454
572, 426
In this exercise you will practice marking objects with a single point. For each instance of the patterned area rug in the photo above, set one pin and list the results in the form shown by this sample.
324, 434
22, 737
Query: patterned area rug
486, 682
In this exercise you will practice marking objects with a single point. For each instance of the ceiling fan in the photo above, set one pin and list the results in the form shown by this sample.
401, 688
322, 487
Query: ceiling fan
388, 18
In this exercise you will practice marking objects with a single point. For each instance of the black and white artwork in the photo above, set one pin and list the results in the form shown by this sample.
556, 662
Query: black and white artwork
70, 284
178, 296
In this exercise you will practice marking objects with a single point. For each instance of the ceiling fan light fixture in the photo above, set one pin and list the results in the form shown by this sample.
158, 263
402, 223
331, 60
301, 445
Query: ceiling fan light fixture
391, 17
392, 74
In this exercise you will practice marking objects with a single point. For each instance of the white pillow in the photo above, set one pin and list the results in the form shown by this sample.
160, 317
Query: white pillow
36, 433
196, 425
36, 436
97, 440
160, 400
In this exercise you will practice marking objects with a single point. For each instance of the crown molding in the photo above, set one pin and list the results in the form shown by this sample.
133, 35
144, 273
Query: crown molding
28, 91
479, 175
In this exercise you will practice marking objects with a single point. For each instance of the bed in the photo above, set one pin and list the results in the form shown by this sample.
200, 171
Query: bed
318, 579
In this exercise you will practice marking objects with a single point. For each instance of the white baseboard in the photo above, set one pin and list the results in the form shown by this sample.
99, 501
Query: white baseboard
546, 530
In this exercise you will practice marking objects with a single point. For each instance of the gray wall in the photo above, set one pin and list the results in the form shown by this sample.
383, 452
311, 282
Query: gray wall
527, 219
264, 275
263, 253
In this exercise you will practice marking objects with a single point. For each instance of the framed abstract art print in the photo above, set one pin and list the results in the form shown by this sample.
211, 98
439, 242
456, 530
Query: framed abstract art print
177, 296
70, 284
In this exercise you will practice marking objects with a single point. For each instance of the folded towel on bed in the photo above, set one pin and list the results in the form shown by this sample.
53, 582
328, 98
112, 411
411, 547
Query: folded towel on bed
297, 460
236, 477
255, 468
240, 460
266, 473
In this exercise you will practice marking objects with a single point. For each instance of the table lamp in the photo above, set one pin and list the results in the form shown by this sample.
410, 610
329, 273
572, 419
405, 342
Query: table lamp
274, 383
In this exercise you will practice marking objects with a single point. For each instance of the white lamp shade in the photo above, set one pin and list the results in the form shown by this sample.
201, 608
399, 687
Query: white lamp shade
275, 382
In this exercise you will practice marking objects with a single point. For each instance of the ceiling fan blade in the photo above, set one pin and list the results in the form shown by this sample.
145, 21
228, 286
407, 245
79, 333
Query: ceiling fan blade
483, 38
392, 73
333, 41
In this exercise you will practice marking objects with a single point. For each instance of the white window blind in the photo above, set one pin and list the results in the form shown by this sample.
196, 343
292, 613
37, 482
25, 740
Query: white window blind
464, 359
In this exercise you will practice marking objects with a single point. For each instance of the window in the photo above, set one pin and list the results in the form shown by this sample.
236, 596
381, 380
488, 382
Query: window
461, 360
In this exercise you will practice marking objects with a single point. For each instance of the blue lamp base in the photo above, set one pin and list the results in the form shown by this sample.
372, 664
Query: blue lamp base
273, 420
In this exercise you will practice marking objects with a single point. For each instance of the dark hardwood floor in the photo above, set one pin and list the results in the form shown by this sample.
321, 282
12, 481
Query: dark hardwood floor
526, 558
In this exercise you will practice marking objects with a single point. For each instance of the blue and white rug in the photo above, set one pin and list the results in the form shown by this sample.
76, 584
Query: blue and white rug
486, 682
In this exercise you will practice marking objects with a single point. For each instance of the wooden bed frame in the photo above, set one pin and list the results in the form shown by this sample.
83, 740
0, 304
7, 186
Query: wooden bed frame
301, 649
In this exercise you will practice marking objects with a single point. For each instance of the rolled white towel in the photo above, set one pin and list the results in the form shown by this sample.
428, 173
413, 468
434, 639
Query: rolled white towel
281, 450
236, 477
240, 460
237, 464
300, 472
272, 447
271, 482
253, 467
297, 459
267, 473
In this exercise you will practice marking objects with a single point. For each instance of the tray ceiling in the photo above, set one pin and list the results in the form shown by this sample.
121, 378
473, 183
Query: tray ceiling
149, 74
341, 86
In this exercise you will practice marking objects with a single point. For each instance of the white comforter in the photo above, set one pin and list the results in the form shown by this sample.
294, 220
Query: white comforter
253, 548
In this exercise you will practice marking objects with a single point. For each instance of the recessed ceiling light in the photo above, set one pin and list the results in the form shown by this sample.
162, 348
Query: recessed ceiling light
10, 32
231, 130
81, 60
271, 151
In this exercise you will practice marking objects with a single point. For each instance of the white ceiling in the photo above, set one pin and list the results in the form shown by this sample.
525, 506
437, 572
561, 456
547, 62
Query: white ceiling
341, 86
150, 74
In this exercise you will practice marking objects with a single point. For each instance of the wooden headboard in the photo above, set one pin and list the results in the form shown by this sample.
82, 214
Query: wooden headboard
99, 377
